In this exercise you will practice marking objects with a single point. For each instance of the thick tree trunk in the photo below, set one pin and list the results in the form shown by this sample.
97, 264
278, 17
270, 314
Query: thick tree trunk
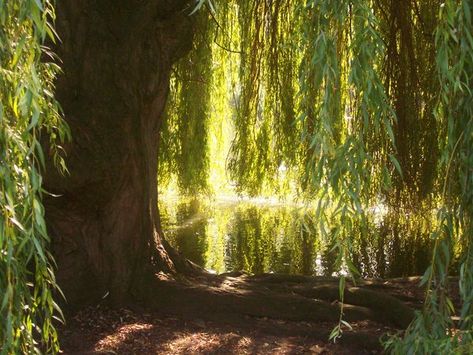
116, 58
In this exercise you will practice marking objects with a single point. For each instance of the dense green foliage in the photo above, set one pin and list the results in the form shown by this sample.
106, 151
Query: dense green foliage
28, 115
432, 330
359, 105
353, 104
184, 142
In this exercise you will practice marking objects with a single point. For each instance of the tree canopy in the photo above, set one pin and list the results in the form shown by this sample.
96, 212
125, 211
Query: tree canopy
359, 103
350, 104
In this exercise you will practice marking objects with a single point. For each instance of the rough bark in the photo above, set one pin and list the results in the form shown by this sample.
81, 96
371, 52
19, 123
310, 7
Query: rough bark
116, 58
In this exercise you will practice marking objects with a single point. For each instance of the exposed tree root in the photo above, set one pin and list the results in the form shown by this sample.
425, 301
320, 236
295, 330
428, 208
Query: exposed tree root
283, 297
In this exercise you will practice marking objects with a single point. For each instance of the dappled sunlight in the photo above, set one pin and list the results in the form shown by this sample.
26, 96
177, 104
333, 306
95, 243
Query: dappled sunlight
203, 342
129, 333
125, 332
143, 337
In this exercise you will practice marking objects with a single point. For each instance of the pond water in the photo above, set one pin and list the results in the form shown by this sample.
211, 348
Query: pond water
260, 237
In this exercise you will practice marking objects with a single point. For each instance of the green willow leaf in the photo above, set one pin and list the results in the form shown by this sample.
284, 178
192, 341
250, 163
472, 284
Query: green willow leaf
28, 110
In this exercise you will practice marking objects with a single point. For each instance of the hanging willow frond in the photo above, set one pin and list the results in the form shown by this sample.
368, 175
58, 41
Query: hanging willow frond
28, 114
356, 103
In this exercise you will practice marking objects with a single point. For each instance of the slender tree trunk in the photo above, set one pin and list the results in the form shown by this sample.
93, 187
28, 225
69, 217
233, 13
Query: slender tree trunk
116, 58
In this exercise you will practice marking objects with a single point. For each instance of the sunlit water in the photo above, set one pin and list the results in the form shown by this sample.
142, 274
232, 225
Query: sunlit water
256, 237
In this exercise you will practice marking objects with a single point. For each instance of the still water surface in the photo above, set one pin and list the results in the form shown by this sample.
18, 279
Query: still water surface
260, 237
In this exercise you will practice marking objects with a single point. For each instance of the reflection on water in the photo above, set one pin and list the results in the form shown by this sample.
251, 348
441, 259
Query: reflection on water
256, 238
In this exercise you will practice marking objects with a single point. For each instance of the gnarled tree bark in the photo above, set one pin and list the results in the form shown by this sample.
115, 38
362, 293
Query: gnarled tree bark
116, 58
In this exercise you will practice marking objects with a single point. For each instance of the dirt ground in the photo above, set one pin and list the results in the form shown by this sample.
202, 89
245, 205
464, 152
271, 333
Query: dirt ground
101, 330
98, 330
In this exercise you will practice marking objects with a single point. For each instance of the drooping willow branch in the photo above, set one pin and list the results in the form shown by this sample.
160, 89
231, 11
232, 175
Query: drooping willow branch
352, 103
29, 117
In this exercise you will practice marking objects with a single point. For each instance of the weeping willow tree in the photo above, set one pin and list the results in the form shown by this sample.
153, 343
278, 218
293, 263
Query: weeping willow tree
355, 103
359, 103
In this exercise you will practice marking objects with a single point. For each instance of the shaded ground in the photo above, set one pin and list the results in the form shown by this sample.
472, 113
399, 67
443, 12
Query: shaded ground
100, 330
